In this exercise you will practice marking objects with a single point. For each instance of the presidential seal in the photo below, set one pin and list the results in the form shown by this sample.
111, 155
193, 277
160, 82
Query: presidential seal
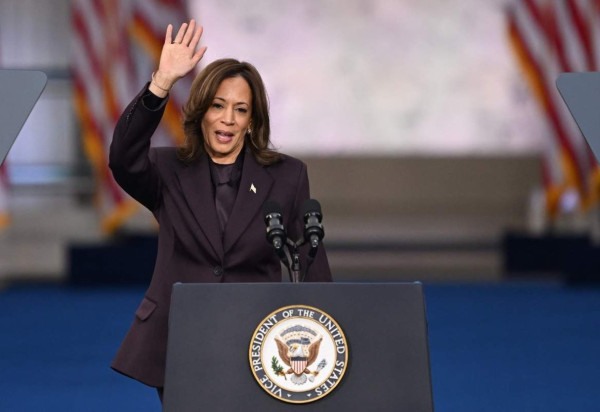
298, 354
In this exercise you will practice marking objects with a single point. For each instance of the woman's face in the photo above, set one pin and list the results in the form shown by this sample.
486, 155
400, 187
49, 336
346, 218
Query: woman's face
227, 120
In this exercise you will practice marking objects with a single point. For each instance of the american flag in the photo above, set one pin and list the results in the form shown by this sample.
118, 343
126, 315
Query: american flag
550, 37
116, 47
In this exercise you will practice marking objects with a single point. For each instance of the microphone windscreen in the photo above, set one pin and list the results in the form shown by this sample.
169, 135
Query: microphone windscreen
311, 206
271, 206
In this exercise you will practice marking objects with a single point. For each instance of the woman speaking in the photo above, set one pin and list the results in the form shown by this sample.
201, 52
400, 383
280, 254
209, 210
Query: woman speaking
207, 195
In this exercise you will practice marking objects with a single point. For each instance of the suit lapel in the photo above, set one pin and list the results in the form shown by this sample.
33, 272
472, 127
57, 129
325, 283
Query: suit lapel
254, 188
197, 189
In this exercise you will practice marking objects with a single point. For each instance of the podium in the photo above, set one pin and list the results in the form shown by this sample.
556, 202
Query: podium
216, 331
20, 91
581, 93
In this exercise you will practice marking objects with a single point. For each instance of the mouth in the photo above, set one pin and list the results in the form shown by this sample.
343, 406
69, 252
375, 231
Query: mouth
223, 136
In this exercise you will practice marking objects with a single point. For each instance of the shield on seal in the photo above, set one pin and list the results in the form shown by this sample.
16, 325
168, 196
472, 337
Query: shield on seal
298, 364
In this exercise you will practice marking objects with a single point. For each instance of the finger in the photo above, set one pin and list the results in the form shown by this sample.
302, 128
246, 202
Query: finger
189, 33
180, 33
198, 55
196, 37
169, 34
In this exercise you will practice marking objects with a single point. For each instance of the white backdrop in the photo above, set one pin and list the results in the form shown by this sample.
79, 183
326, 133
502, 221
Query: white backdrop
380, 76
345, 77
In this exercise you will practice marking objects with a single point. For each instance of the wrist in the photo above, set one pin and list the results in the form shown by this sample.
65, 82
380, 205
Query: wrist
162, 83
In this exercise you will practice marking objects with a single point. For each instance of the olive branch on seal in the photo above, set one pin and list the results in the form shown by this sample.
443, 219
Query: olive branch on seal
277, 368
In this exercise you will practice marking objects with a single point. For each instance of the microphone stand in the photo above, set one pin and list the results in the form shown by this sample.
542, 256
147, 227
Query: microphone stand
292, 254
294, 269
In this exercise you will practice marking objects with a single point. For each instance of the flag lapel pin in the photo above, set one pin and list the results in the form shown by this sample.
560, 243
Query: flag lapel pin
253, 188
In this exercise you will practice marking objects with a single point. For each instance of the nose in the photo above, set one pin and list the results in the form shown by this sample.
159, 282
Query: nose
228, 117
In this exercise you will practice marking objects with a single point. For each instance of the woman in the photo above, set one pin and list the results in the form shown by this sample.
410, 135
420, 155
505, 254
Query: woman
207, 196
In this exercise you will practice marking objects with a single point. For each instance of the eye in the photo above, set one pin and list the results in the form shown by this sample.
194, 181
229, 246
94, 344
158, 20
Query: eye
242, 110
217, 106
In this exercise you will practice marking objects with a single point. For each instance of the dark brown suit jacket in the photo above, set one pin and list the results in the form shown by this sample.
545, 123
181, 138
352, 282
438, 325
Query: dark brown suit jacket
191, 247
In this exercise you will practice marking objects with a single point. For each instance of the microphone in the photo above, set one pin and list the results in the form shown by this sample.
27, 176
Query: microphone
313, 229
275, 230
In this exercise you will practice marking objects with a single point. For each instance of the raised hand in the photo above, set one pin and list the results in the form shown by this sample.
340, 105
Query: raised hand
178, 57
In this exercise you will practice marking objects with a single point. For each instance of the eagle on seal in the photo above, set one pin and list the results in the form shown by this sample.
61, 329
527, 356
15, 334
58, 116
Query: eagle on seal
298, 357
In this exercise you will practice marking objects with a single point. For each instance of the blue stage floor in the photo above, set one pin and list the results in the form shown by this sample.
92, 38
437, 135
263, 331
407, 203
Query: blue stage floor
498, 347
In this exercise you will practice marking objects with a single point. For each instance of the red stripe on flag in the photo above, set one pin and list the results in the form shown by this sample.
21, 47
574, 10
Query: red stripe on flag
583, 32
95, 146
541, 86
